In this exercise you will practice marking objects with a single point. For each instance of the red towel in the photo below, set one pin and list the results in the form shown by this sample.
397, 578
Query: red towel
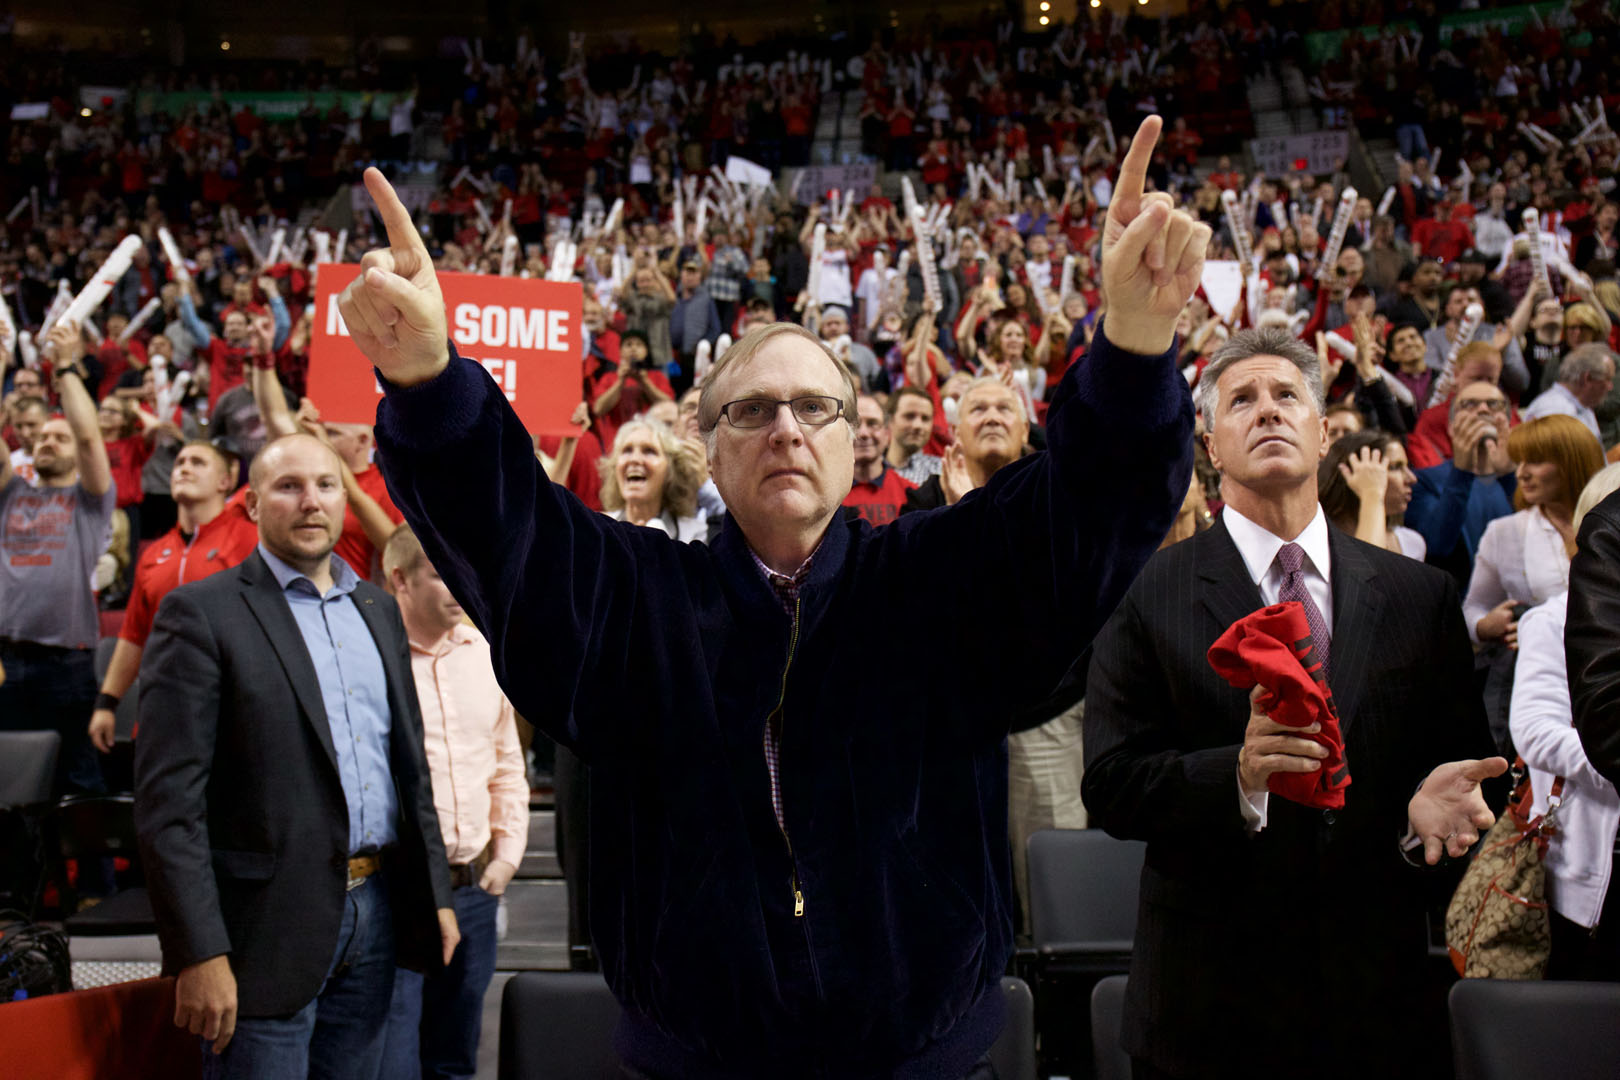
1272, 647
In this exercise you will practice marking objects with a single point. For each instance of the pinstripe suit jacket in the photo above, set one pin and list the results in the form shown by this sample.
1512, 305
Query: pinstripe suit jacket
1302, 946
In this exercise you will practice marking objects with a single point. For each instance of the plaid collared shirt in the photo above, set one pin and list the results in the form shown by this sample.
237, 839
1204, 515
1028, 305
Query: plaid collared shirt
921, 467
726, 274
787, 593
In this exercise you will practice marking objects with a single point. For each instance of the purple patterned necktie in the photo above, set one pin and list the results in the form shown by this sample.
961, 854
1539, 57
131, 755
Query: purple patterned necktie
1291, 557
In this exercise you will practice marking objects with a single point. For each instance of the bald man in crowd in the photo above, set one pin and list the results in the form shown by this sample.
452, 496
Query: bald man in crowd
282, 796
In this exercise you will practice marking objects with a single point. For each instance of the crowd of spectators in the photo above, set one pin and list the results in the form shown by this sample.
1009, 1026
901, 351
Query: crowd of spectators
1469, 454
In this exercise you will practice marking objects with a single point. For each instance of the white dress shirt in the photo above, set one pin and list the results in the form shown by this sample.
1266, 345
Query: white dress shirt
1259, 548
1558, 399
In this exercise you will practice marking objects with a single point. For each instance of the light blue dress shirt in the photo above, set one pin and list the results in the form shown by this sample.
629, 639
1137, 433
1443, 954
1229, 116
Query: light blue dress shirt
354, 689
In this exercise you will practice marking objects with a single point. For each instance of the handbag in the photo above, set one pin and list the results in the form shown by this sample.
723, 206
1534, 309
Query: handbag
1497, 925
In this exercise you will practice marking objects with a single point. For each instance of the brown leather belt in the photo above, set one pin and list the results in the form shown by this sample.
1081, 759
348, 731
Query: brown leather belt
362, 867
465, 874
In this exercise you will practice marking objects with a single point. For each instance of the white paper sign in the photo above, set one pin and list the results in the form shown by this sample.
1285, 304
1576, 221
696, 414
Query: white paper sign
739, 170
1223, 284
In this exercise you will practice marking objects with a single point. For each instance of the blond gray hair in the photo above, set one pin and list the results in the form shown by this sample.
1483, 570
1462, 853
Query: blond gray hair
681, 481
744, 350
1248, 344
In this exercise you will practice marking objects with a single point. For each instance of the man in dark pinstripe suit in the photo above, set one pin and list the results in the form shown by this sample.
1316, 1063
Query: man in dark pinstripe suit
1274, 939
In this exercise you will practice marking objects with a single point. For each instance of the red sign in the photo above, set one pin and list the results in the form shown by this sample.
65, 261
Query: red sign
526, 333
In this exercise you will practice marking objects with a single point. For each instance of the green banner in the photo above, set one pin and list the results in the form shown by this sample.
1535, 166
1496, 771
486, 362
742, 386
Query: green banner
272, 105
1328, 44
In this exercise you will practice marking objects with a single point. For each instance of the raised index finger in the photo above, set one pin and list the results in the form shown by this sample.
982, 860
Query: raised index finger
402, 232
1133, 172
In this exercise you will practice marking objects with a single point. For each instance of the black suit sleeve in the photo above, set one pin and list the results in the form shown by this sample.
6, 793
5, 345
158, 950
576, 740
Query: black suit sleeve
174, 755
1138, 784
1592, 637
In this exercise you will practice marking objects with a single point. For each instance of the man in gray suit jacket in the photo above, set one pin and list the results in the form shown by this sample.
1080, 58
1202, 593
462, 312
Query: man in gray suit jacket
1274, 939
283, 800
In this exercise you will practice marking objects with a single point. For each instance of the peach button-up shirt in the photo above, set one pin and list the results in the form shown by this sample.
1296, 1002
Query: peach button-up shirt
480, 786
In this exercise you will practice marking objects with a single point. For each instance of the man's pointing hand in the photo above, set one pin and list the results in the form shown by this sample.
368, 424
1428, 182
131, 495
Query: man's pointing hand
394, 309
1153, 255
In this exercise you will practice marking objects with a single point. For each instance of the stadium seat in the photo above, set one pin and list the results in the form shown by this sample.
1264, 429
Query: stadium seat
27, 766
1082, 899
1013, 1055
27, 770
1082, 904
109, 623
558, 1025
91, 827
1504, 1030
1107, 1011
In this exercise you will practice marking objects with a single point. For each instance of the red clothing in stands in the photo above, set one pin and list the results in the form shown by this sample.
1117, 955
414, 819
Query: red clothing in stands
353, 547
171, 561
1272, 647
126, 457
1430, 441
584, 479
632, 400
1444, 240
879, 501
226, 363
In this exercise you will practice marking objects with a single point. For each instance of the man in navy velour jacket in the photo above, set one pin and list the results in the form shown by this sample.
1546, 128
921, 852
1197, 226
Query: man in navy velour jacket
799, 856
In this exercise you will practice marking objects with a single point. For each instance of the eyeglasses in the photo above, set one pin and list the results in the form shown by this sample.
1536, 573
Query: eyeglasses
814, 410
1494, 405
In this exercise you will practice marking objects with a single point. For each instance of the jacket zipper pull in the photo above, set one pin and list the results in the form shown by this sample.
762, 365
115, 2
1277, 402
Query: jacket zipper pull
798, 902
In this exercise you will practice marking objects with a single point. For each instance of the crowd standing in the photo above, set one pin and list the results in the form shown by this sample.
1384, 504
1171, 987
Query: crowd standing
1465, 362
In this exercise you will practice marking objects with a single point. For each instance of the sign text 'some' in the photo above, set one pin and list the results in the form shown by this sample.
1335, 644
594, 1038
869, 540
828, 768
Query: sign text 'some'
525, 332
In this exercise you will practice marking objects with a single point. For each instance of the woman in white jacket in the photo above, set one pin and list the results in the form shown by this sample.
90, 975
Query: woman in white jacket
1581, 856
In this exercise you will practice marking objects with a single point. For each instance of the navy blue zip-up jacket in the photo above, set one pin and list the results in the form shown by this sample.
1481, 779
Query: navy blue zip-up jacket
913, 645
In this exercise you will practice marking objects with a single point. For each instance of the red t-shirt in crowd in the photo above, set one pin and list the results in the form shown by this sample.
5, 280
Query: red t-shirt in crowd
170, 562
632, 400
226, 363
126, 457
353, 546
1443, 239
879, 501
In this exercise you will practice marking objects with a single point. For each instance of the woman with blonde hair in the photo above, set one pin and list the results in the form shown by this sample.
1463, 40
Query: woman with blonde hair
652, 478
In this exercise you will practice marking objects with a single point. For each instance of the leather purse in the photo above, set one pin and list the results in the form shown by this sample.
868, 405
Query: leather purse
1497, 925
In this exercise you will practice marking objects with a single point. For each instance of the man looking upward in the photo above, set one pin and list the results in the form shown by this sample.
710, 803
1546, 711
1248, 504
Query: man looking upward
759, 793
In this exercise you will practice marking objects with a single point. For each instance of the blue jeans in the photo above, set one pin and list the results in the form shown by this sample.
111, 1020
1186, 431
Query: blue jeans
1411, 141
339, 1034
434, 1022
